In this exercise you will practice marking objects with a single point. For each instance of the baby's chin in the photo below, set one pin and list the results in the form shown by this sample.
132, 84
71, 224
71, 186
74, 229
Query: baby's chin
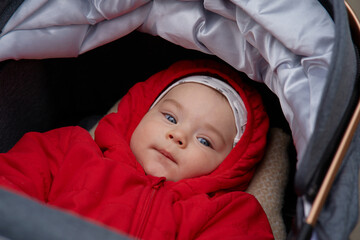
157, 170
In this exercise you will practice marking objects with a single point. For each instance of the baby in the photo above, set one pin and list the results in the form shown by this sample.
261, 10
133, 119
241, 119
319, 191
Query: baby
172, 163
189, 131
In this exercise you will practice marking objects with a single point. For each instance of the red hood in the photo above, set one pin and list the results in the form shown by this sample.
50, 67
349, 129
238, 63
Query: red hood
114, 130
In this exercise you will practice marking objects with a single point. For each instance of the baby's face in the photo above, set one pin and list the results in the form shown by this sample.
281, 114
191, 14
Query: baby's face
187, 134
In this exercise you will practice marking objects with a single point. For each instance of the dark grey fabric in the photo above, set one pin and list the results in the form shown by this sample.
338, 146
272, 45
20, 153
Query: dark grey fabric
339, 214
22, 218
7, 8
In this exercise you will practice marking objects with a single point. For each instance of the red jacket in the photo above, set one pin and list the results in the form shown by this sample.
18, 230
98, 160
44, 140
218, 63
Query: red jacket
102, 180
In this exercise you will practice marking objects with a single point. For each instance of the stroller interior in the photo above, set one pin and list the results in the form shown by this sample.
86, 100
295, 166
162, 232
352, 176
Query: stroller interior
42, 93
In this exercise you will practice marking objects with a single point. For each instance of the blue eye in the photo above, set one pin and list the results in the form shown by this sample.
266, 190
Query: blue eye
170, 118
204, 142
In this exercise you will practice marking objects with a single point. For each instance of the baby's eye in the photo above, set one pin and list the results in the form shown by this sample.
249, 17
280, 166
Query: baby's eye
204, 142
170, 118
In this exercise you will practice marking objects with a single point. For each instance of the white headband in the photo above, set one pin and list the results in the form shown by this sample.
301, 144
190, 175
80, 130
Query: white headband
236, 103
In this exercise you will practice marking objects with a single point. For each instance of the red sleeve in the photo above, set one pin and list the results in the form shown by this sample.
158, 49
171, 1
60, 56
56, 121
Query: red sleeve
235, 215
242, 218
30, 166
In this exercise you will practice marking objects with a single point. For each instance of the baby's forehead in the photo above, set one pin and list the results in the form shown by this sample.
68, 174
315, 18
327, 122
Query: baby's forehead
194, 94
198, 99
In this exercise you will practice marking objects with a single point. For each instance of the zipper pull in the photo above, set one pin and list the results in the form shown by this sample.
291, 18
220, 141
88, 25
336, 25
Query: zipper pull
158, 184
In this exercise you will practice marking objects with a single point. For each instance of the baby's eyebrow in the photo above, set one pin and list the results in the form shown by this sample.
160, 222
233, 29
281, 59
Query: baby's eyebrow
216, 131
174, 102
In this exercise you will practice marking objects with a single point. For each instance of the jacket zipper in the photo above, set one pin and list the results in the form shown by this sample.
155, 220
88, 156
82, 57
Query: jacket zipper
147, 208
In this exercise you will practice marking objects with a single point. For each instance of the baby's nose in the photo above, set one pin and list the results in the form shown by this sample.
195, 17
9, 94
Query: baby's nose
177, 137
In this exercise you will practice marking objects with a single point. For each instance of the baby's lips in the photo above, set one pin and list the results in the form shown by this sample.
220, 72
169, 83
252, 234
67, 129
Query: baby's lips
167, 155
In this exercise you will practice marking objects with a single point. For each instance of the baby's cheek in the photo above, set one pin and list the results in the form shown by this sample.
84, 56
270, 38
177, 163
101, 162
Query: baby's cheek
216, 161
135, 146
206, 163
132, 143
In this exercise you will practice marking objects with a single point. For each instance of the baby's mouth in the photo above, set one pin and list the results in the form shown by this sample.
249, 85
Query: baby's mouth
167, 155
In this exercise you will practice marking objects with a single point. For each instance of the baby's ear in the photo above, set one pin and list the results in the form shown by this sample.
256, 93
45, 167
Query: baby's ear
270, 179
